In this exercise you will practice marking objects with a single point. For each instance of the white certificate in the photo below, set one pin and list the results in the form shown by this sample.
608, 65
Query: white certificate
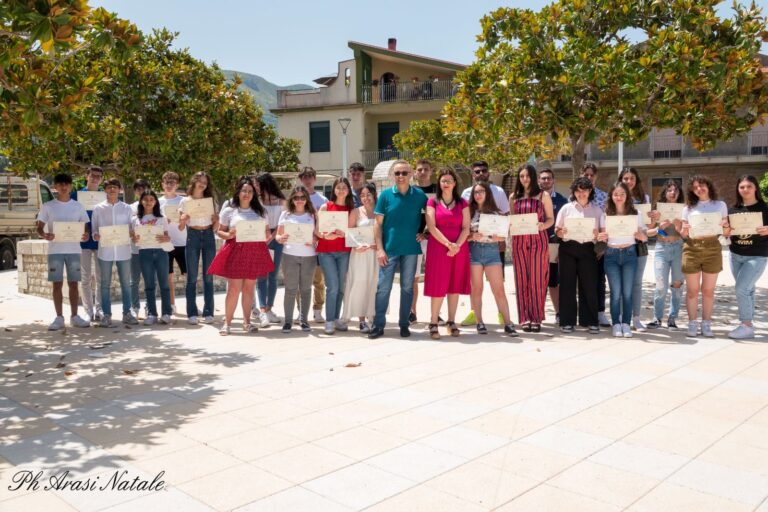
148, 234
68, 231
524, 224
554, 250
670, 211
621, 225
745, 224
359, 237
90, 199
580, 230
328, 222
251, 231
491, 225
199, 208
113, 236
705, 224
299, 233
171, 212
644, 208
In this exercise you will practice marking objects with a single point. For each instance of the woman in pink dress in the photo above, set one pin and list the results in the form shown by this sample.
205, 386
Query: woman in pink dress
447, 261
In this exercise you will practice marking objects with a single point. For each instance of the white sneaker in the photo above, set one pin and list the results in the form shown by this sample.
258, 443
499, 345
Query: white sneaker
341, 326
273, 318
626, 331
637, 324
150, 320
617, 331
693, 329
130, 319
263, 320
330, 328
135, 312
192, 320
106, 321
706, 329
208, 319
318, 318
76, 321
742, 332
165, 319
602, 319
57, 324
173, 309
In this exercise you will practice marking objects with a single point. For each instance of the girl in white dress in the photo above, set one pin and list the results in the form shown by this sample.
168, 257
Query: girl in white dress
362, 275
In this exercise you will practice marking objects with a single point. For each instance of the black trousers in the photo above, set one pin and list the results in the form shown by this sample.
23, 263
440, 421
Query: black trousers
578, 272
601, 284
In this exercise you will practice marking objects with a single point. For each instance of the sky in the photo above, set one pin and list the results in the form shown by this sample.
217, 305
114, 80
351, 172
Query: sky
296, 41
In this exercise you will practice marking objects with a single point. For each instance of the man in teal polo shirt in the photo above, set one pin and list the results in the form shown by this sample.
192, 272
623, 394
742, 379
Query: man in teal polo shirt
398, 219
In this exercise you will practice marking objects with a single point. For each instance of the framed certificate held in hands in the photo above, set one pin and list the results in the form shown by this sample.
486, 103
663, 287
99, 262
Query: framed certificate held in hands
299, 233
645, 209
524, 224
90, 199
68, 231
199, 208
705, 224
148, 234
360, 237
495, 225
114, 236
328, 222
621, 225
580, 230
171, 212
670, 211
745, 224
251, 231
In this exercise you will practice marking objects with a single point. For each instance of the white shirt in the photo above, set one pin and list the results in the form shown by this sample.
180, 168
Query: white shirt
231, 216
706, 207
274, 212
69, 211
135, 210
297, 249
317, 199
108, 214
178, 236
151, 219
499, 196
616, 241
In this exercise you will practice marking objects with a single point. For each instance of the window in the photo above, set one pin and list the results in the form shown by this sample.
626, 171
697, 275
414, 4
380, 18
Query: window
45, 194
347, 76
759, 150
319, 137
668, 153
19, 194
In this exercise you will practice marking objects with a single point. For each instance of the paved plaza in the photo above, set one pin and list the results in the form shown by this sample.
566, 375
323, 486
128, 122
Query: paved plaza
275, 422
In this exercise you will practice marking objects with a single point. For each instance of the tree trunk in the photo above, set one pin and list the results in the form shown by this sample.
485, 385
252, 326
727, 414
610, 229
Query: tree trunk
577, 154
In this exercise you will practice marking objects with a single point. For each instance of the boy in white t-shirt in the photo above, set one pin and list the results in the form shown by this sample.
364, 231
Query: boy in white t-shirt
178, 236
139, 186
308, 178
63, 254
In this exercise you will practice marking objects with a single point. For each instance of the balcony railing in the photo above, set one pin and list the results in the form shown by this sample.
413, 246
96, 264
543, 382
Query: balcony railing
408, 91
371, 158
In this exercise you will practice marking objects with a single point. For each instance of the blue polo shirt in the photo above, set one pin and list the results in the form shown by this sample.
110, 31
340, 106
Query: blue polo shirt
91, 243
402, 219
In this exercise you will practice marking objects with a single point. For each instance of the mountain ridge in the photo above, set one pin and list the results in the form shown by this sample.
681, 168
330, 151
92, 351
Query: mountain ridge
263, 91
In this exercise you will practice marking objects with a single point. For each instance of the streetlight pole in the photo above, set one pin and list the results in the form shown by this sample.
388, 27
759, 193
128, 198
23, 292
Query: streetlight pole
344, 122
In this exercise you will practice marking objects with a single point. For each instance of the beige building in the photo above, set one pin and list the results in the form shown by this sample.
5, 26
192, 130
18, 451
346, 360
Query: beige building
380, 91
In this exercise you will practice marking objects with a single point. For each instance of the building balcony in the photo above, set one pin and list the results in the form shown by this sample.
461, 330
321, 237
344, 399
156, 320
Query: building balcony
370, 158
397, 92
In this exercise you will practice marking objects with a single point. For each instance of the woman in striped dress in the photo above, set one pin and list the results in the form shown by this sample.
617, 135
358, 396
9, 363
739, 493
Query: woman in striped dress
530, 253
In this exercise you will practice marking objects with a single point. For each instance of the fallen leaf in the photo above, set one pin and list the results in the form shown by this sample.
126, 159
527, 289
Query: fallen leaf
331, 354
96, 347
353, 365
130, 372
61, 365
69, 373
127, 326
538, 350
62, 357
28, 375
8, 330
330, 370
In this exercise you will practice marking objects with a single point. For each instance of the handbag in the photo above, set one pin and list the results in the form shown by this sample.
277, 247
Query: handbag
641, 248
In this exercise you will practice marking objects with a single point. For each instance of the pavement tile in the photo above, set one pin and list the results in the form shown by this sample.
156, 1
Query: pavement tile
528, 461
185, 465
668, 496
255, 443
303, 462
733, 484
416, 462
294, 499
358, 486
170, 500
464, 442
36, 501
567, 441
640, 460
425, 499
360, 442
546, 498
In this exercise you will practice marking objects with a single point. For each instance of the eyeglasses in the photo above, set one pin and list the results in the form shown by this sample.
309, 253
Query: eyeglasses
401, 173
447, 182
480, 192
480, 171
299, 198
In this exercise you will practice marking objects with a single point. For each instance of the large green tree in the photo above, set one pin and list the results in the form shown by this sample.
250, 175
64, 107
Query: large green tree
569, 72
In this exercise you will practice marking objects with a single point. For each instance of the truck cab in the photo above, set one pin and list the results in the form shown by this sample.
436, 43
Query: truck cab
20, 201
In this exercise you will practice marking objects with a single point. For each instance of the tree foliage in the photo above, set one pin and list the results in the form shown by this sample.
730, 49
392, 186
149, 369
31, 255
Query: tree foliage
570, 73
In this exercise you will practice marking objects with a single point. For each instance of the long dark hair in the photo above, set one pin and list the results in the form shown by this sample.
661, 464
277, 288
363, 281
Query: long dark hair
610, 206
691, 198
255, 204
349, 201
582, 183
308, 206
752, 180
208, 192
663, 194
519, 192
155, 210
447, 171
638, 192
269, 186
489, 205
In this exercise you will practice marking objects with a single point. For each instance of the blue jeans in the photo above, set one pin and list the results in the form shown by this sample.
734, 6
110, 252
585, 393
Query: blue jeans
135, 276
199, 241
620, 267
637, 285
668, 259
154, 264
334, 266
747, 270
266, 287
407, 265
124, 274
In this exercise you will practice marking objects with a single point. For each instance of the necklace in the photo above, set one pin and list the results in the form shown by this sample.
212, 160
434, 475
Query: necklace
448, 205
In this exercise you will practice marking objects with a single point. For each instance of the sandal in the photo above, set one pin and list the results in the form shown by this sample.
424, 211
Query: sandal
526, 327
452, 329
481, 328
250, 328
535, 327
224, 331
433, 332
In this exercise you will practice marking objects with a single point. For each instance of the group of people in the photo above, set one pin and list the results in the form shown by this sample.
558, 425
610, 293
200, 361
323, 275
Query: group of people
414, 224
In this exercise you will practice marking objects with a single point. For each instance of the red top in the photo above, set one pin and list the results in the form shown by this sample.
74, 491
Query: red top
338, 244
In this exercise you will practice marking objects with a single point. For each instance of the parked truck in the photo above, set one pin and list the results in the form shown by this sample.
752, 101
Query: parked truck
20, 200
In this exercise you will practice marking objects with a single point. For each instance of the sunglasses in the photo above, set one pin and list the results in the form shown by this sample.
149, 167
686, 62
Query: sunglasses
299, 198
401, 173
480, 171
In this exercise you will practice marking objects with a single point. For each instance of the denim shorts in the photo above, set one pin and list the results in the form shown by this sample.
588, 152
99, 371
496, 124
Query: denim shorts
56, 264
485, 255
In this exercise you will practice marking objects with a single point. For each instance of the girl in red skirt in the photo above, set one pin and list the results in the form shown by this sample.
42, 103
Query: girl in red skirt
242, 263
